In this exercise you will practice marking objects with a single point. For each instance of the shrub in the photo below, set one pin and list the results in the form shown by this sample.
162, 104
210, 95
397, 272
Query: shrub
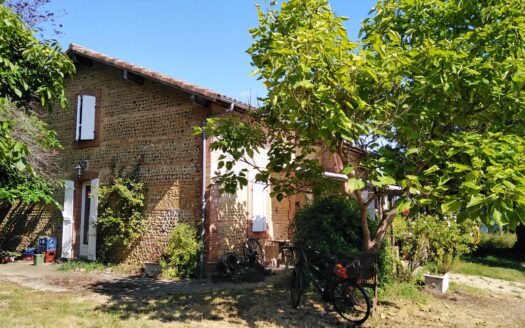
329, 225
181, 256
435, 242
494, 243
120, 220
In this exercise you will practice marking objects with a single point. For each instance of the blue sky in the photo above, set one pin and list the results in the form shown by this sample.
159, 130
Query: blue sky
199, 41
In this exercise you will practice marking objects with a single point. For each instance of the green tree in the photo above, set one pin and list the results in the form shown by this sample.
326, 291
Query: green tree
433, 94
32, 76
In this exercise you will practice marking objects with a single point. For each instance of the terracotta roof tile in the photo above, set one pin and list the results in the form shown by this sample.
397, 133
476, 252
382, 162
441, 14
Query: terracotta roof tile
147, 73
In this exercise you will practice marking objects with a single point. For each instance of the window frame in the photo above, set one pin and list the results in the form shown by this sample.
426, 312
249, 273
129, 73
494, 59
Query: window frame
98, 113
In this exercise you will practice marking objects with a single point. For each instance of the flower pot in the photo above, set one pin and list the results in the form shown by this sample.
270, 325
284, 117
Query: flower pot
152, 269
437, 283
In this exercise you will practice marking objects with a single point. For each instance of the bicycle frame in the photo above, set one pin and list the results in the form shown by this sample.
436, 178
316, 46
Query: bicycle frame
305, 266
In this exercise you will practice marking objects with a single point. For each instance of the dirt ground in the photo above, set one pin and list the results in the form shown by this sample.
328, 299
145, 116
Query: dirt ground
460, 307
135, 301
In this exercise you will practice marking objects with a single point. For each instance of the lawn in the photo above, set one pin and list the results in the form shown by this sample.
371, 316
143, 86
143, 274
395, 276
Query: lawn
403, 305
505, 268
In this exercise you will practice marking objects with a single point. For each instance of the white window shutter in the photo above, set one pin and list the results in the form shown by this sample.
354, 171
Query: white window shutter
67, 224
87, 128
92, 233
259, 201
79, 113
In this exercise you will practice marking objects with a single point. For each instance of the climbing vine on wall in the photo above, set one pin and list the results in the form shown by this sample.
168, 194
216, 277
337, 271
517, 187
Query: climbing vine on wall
120, 219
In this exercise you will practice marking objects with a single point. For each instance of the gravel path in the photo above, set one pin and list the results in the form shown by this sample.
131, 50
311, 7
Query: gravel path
490, 284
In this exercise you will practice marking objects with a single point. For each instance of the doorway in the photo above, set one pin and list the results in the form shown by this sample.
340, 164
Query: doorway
84, 219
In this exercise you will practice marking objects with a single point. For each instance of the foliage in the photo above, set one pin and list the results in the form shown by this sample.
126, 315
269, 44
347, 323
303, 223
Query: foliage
181, 256
34, 14
19, 180
433, 94
31, 72
496, 243
330, 225
434, 242
120, 220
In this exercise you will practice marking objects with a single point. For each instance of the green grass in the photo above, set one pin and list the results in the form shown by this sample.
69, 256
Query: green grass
505, 268
267, 306
408, 291
88, 266
80, 265
23, 307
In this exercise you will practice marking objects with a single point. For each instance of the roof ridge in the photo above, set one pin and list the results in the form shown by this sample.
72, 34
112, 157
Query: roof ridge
160, 77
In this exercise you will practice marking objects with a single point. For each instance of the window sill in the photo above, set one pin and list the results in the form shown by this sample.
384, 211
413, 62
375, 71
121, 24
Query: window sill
86, 143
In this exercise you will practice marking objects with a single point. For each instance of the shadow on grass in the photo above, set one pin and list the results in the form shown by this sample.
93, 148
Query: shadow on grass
193, 301
497, 261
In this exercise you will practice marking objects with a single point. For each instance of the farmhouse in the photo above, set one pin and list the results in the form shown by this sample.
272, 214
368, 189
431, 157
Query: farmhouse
124, 117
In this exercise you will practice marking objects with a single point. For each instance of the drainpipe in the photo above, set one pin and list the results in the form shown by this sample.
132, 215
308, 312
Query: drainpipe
204, 186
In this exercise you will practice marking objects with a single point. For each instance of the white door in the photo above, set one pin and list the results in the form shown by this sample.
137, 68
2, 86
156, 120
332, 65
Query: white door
85, 209
67, 224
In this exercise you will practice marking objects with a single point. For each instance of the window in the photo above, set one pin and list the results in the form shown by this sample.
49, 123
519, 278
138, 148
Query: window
259, 198
86, 113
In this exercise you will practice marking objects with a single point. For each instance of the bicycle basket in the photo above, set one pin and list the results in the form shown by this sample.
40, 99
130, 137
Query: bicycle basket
353, 268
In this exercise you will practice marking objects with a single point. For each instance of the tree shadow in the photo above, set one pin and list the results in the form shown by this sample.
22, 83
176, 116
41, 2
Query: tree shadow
22, 224
189, 301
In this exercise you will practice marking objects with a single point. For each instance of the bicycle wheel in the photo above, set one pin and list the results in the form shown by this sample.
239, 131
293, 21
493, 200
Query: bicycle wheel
253, 251
230, 263
351, 301
296, 287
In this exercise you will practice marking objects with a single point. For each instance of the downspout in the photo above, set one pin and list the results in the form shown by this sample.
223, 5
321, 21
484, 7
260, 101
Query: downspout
204, 186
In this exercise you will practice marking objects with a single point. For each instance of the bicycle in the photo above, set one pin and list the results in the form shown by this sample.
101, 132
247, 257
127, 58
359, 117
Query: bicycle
339, 288
233, 265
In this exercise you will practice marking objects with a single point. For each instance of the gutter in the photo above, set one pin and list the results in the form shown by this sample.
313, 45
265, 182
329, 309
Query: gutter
204, 185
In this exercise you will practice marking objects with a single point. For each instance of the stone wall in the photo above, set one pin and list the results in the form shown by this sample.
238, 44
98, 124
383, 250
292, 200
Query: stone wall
21, 225
147, 128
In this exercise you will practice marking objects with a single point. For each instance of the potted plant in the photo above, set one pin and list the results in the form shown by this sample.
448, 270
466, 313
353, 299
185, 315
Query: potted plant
438, 277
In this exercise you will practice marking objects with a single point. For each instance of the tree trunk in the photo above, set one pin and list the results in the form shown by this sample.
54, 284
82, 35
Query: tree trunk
365, 230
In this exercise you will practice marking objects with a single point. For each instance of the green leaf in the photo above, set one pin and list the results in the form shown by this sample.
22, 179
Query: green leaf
432, 169
451, 206
475, 200
347, 169
412, 151
17, 92
387, 180
355, 184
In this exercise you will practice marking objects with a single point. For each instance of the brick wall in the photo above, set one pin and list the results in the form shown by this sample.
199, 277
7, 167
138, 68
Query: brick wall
21, 225
148, 126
